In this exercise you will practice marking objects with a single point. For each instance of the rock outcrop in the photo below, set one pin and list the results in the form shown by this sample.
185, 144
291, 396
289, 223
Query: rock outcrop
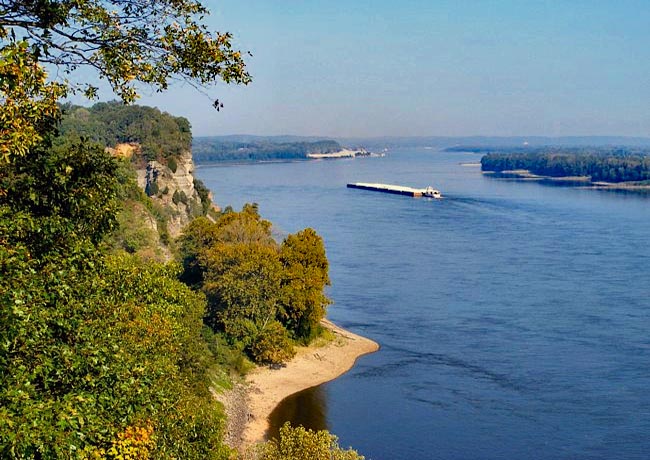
173, 186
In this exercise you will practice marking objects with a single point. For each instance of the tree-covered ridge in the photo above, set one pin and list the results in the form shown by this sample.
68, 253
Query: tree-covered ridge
160, 135
599, 164
214, 149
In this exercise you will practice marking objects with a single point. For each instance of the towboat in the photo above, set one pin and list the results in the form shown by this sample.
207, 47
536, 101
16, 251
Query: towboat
431, 192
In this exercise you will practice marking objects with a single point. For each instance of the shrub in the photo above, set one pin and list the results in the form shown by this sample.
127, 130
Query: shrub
152, 189
171, 164
179, 196
272, 345
301, 444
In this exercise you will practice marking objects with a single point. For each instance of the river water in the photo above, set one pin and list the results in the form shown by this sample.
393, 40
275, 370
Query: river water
513, 317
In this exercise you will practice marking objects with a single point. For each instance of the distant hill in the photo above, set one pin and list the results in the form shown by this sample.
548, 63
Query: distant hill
258, 148
441, 142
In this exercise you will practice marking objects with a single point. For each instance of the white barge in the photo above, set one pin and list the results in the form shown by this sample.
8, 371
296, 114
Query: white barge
428, 192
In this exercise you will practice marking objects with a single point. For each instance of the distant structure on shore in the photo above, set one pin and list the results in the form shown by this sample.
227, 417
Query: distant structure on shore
344, 153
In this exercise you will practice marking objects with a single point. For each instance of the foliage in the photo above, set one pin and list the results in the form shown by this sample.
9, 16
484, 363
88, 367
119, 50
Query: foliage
305, 275
242, 283
301, 444
204, 194
271, 345
608, 165
141, 223
172, 164
135, 443
225, 356
125, 41
214, 149
88, 353
158, 135
29, 102
99, 356
259, 294
200, 234
92, 349
67, 195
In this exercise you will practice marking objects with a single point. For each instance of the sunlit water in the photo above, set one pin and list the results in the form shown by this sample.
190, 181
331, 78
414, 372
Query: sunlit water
514, 318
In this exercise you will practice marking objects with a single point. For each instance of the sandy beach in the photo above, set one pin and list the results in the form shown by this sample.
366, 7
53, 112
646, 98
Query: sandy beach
249, 404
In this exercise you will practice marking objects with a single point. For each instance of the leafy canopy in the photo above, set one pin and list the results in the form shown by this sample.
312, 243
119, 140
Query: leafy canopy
260, 294
127, 42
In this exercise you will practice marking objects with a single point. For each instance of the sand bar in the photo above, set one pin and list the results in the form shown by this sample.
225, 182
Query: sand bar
248, 406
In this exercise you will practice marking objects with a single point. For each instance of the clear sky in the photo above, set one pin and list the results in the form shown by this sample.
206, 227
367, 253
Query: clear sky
409, 67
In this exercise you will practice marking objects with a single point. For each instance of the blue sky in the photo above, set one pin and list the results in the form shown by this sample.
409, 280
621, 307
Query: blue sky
372, 68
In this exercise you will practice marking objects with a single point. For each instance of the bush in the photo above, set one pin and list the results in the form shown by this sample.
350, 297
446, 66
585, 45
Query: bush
172, 164
302, 444
204, 194
152, 189
272, 345
179, 196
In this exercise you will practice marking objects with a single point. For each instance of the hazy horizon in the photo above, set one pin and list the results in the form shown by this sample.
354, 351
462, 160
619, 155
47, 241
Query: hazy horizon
368, 69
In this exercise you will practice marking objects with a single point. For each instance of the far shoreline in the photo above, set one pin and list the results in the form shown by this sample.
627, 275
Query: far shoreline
249, 405
584, 182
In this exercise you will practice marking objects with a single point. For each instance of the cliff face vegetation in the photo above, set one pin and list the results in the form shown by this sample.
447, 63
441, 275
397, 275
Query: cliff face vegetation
173, 186
153, 153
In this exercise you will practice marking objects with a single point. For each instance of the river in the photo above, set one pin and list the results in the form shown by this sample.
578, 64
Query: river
513, 317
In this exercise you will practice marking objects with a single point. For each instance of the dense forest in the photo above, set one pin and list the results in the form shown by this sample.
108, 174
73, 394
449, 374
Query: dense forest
113, 355
106, 353
215, 149
599, 164
159, 134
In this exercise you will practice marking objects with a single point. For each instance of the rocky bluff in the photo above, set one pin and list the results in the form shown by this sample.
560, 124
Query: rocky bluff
172, 185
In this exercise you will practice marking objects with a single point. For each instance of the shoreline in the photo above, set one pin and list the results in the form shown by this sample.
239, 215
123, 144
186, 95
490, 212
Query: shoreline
249, 404
576, 181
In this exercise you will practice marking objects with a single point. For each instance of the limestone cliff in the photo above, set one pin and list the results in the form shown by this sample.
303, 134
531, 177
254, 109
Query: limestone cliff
173, 186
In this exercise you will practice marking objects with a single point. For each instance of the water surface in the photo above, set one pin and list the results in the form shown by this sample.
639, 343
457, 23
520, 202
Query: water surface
513, 317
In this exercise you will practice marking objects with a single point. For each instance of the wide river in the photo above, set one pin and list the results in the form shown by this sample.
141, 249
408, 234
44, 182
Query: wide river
513, 317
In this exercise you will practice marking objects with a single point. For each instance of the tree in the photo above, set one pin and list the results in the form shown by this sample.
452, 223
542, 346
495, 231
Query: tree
29, 103
94, 360
66, 195
305, 275
242, 283
127, 42
259, 294
245, 227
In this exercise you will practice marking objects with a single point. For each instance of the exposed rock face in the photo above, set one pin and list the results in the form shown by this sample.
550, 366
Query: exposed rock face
173, 186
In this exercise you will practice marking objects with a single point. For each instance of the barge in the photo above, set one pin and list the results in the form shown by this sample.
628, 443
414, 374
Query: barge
428, 192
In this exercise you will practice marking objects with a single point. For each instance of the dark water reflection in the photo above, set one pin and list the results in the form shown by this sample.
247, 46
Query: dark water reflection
307, 408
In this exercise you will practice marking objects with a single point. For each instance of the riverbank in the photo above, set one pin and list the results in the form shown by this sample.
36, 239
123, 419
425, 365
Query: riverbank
249, 404
577, 181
